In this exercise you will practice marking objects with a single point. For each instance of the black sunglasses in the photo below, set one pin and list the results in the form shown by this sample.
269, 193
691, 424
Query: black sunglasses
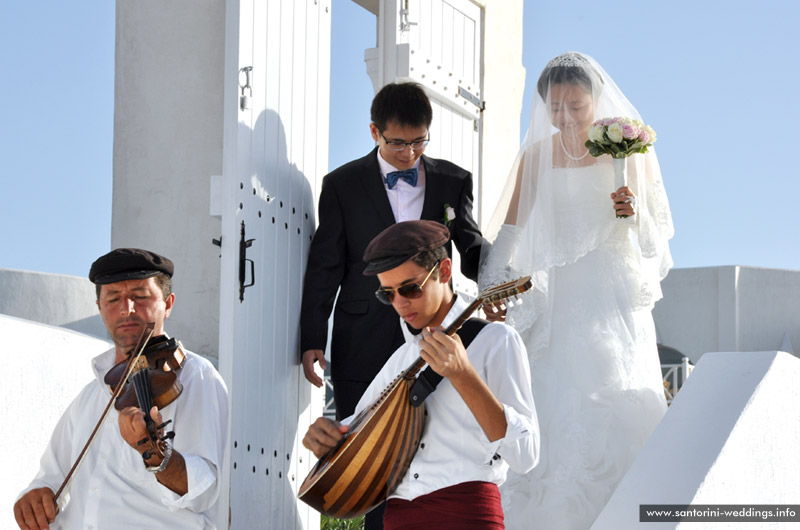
410, 291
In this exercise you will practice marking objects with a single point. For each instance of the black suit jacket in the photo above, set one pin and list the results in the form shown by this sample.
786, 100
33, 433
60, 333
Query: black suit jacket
353, 209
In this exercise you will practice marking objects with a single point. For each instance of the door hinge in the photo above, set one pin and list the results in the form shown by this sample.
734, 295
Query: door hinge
472, 98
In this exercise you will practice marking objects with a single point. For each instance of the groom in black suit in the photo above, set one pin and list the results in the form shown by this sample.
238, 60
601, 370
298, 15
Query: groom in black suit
393, 183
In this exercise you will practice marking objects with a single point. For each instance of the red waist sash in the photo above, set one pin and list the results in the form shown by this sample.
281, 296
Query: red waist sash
467, 506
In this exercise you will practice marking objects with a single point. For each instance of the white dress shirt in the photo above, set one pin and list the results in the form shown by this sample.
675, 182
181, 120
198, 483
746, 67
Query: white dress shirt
454, 448
112, 489
406, 200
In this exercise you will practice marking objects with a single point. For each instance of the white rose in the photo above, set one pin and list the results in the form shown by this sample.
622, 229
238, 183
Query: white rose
596, 133
615, 132
449, 213
650, 132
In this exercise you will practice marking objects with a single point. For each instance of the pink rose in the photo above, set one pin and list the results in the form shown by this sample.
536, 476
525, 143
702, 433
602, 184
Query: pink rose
644, 137
629, 132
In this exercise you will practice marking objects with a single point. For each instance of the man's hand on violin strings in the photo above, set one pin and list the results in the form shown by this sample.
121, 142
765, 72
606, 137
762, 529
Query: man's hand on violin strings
133, 428
36, 509
323, 435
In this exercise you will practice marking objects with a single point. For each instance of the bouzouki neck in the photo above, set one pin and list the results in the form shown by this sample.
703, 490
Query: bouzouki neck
495, 294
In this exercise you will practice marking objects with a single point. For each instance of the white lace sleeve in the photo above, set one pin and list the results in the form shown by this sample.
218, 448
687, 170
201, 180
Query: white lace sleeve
496, 269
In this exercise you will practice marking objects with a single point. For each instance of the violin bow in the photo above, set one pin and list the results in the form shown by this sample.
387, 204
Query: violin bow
62, 491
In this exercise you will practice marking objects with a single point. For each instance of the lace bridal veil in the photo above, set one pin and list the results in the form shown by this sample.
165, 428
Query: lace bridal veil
543, 220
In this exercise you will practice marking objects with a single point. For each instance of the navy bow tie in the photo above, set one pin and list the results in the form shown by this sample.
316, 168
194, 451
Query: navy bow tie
409, 175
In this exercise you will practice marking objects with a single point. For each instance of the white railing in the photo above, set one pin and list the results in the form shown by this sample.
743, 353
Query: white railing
675, 376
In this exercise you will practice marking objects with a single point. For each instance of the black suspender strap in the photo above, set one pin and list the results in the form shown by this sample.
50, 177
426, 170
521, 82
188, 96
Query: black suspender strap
428, 380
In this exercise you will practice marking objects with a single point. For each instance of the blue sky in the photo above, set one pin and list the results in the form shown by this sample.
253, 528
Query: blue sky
716, 80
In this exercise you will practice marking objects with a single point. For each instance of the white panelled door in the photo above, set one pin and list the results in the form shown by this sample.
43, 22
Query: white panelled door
277, 71
438, 43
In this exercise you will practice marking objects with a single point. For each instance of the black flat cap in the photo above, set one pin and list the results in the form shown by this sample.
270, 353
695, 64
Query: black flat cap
401, 242
128, 264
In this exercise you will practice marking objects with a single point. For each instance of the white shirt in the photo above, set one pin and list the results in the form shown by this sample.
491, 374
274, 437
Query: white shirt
406, 200
454, 448
112, 489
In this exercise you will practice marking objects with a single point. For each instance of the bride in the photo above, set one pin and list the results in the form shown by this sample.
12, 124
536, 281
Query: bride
587, 325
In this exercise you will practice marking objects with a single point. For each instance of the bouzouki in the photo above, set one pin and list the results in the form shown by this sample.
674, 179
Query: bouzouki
373, 456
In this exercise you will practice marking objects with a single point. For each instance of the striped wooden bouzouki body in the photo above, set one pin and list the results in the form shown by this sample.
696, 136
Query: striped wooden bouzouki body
364, 468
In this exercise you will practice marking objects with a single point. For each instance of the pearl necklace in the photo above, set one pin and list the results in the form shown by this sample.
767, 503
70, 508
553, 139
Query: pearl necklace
564, 147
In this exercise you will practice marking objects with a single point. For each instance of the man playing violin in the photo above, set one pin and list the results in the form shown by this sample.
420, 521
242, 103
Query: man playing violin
123, 482
480, 419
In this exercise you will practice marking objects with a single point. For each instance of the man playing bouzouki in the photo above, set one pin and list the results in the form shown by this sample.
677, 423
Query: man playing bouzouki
480, 420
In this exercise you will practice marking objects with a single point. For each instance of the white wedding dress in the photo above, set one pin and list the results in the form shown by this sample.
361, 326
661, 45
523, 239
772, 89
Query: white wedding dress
591, 340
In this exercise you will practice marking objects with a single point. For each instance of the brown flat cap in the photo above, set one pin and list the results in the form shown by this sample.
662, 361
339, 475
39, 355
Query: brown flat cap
128, 264
401, 242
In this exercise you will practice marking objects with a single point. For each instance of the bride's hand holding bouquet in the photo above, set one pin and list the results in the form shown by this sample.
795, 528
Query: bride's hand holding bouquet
620, 137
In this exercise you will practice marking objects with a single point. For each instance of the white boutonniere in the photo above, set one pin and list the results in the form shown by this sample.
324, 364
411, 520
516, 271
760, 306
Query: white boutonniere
449, 214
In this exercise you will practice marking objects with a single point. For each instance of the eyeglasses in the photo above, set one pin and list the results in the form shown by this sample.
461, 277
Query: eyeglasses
411, 291
400, 146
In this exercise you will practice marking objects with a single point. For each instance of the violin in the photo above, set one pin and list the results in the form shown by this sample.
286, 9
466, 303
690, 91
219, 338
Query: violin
146, 378
149, 378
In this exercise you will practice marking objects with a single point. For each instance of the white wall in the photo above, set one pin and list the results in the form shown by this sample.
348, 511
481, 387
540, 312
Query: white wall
768, 303
730, 437
503, 88
728, 309
44, 368
55, 299
167, 145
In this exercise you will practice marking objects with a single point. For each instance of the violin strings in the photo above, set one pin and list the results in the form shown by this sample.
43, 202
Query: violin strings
143, 392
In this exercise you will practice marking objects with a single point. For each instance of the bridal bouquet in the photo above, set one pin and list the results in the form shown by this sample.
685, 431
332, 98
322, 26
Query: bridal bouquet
620, 138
